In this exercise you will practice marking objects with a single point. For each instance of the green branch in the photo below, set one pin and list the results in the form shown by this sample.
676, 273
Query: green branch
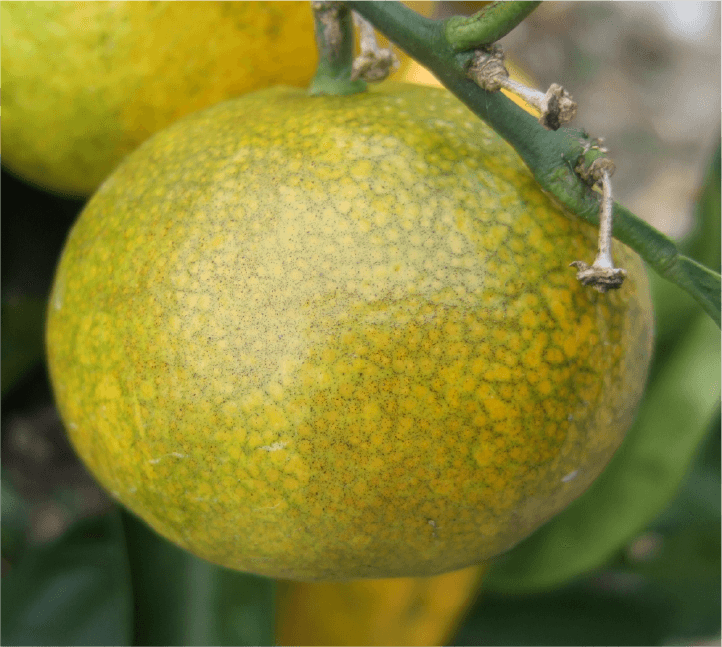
550, 155
486, 26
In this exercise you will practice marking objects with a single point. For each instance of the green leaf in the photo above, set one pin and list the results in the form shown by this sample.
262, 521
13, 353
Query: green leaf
698, 499
699, 281
641, 478
680, 553
685, 570
73, 591
580, 614
183, 600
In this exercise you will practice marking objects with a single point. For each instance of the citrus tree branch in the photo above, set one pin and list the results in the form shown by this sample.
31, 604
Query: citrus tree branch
488, 25
552, 156
334, 41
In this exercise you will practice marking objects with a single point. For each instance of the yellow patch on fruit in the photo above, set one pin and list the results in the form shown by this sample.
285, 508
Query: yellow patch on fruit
84, 83
248, 360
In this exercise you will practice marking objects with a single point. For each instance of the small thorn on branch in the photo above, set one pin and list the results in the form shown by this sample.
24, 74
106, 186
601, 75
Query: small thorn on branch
555, 105
602, 275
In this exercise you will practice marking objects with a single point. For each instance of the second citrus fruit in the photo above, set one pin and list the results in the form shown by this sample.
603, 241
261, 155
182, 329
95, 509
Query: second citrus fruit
84, 83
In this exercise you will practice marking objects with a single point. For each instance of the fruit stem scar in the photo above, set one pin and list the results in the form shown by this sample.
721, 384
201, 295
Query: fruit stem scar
602, 275
555, 105
373, 64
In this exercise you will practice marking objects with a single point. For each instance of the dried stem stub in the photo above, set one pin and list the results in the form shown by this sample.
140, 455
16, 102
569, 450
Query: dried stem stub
602, 275
373, 64
555, 105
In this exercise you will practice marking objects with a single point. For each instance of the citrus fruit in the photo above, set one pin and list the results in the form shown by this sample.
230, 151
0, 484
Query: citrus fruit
85, 82
396, 611
323, 338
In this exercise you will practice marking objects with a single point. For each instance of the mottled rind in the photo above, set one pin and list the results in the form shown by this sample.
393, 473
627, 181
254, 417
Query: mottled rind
337, 337
84, 83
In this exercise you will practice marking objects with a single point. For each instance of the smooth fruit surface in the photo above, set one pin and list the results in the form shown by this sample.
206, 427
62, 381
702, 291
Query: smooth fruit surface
84, 83
339, 337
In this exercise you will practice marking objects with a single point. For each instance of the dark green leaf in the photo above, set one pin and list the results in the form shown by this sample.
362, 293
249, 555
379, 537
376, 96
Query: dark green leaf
679, 556
698, 500
701, 282
74, 591
183, 600
581, 614
685, 569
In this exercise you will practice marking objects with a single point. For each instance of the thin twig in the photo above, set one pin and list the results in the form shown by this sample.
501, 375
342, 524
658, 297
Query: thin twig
602, 275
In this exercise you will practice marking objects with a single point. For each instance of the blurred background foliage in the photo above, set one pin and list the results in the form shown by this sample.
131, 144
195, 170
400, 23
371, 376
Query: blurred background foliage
636, 560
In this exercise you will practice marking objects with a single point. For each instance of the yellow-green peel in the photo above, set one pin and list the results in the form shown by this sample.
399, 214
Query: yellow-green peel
338, 337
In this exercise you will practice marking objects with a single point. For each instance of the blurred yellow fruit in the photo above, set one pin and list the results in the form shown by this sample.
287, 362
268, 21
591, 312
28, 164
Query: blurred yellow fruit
399, 611
84, 83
